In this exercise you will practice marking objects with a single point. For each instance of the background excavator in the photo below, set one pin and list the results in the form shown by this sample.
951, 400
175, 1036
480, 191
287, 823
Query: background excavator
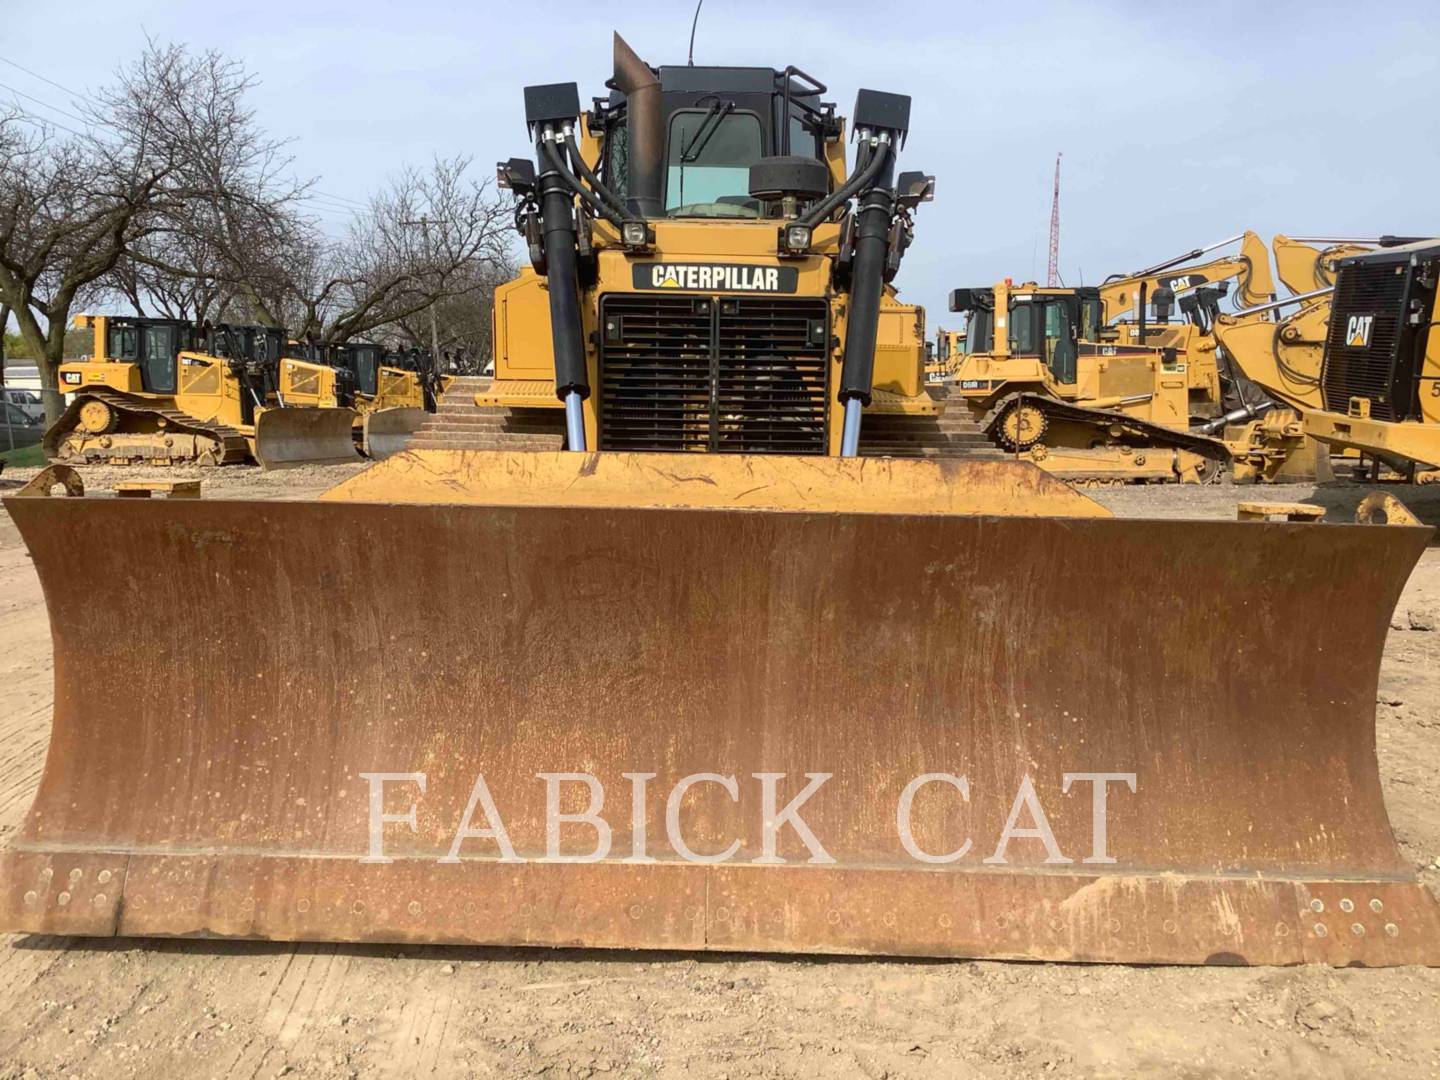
1359, 360
168, 392
708, 678
1103, 384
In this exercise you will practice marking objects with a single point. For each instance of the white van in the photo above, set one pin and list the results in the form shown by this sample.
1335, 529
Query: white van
26, 400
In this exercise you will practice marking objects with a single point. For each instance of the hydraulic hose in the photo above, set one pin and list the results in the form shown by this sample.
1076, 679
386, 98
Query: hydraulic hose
556, 162
588, 175
861, 180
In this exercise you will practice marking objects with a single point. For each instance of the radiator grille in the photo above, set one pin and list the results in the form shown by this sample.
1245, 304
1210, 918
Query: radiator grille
723, 374
1381, 371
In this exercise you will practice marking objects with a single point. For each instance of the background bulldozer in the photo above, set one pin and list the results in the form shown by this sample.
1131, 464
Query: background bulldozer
1104, 384
168, 392
390, 393
742, 689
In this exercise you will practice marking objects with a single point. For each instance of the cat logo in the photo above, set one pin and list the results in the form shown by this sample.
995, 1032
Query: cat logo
716, 277
1357, 331
1183, 282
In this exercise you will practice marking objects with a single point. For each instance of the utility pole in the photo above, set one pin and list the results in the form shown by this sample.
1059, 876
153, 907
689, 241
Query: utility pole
424, 223
1052, 277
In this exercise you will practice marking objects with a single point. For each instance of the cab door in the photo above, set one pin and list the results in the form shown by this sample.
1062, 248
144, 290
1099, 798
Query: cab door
1060, 341
157, 359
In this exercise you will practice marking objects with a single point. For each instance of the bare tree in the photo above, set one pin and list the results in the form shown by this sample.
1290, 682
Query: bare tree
391, 268
169, 156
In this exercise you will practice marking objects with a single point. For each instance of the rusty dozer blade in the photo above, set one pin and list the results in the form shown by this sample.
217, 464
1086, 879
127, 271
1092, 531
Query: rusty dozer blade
305, 436
696, 702
388, 431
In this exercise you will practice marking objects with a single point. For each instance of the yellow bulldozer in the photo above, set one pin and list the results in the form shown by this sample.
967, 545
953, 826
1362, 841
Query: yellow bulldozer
392, 394
708, 678
1104, 385
1358, 360
169, 392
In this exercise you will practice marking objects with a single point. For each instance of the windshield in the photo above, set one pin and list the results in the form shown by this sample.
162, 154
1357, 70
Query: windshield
708, 164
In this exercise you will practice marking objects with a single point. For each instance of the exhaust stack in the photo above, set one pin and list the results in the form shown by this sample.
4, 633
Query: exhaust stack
646, 123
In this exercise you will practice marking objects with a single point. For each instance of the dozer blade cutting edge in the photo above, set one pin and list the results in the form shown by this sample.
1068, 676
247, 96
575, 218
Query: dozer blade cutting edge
699, 702
388, 431
305, 436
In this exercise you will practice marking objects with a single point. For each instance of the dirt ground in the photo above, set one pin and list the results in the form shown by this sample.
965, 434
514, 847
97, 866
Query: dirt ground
172, 1009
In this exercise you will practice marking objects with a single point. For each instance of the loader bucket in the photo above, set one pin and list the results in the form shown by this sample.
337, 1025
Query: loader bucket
388, 431
695, 702
305, 436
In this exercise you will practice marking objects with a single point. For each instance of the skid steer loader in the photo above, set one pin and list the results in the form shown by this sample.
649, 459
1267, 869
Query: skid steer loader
710, 678
168, 392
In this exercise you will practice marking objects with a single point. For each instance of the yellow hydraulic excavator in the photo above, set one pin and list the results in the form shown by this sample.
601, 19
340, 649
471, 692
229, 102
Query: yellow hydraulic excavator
167, 392
1099, 384
1304, 266
1358, 360
762, 694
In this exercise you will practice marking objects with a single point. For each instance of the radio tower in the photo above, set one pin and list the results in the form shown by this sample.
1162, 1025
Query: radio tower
1052, 277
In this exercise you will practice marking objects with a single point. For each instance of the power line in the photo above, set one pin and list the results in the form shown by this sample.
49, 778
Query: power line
43, 121
344, 201
42, 78
45, 104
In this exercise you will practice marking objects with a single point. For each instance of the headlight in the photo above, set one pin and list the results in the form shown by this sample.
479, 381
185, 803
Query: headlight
797, 238
635, 234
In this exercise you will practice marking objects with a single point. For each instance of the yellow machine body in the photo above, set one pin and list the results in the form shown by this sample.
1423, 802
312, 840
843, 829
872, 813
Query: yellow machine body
524, 360
1362, 365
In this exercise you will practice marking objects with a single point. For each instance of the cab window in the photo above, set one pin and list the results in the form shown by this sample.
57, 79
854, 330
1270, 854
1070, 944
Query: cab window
979, 331
708, 165
1022, 328
121, 344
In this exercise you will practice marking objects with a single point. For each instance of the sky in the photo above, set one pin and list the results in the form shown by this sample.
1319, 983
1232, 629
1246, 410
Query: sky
1180, 124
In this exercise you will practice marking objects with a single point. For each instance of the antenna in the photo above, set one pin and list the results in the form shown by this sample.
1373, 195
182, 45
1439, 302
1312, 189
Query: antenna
1052, 275
699, 4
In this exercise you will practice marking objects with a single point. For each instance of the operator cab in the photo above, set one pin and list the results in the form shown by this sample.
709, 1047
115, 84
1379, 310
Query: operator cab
1045, 323
717, 123
153, 345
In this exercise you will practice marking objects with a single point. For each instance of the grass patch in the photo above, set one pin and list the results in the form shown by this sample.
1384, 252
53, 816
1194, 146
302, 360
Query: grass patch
23, 457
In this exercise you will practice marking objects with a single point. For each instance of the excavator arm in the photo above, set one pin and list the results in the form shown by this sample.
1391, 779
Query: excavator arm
1251, 265
1304, 266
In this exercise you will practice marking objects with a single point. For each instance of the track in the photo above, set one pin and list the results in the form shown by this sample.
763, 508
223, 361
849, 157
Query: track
460, 424
231, 445
1132, 432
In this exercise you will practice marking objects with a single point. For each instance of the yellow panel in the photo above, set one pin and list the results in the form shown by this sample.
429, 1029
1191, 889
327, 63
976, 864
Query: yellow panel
732, 481
521, 394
